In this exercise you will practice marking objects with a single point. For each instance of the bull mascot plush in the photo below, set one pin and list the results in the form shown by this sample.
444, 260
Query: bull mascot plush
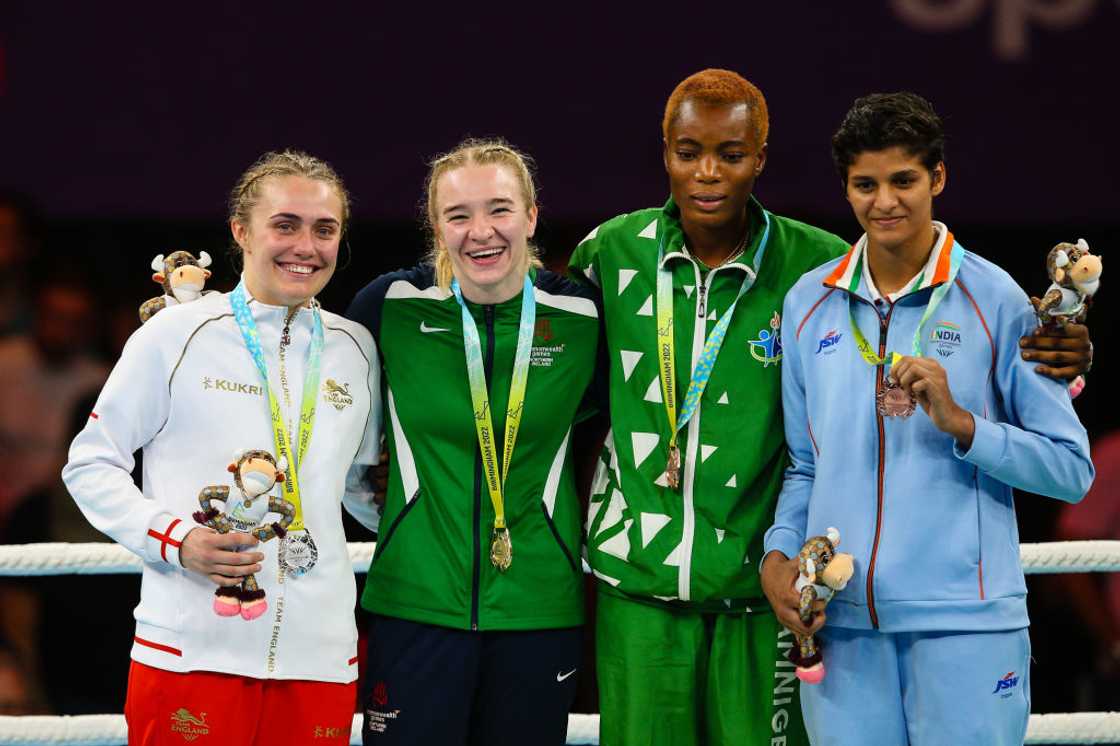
182, 278
822, 571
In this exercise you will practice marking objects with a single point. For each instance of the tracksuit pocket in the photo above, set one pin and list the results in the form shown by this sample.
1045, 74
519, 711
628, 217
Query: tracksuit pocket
384, 542
556, 536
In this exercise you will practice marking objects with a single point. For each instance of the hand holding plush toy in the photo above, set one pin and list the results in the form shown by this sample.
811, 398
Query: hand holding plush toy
255, 473
1075, 275
822, 572
182, 278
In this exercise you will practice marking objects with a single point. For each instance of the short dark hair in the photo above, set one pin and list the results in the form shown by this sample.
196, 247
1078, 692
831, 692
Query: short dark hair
886, 120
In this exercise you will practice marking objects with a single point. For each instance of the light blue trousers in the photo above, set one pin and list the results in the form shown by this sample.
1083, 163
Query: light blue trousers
920, 688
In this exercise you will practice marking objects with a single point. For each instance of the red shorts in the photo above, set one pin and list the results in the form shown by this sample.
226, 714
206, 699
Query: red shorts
201, 707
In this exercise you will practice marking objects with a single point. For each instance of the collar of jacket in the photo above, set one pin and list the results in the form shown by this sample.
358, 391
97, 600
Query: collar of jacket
675, 249
848, 275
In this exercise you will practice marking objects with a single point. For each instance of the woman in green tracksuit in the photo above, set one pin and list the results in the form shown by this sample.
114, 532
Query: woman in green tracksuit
476, 584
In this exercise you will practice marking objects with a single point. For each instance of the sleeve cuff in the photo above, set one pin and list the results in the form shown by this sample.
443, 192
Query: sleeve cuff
989, 441
165, 537
780, 539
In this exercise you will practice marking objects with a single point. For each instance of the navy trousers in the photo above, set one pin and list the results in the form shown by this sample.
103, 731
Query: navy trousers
436, 686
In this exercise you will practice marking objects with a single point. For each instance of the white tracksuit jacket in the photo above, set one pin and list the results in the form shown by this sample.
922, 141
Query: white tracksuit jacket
187, 391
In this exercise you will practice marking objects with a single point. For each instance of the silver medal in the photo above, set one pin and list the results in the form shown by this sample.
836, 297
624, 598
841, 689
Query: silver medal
299, 552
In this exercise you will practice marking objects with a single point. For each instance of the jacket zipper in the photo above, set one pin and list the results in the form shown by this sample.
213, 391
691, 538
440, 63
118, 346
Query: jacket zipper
691, 455
488, 314
884, 324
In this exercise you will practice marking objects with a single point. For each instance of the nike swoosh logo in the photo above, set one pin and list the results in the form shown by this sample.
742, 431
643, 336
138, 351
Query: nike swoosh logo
562, 676
429, 329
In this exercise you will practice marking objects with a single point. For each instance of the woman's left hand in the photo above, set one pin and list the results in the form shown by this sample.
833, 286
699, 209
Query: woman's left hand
1064, 352
925, 380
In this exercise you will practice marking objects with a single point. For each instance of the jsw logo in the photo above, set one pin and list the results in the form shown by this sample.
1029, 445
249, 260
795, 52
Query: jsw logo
1009, 681
829, 340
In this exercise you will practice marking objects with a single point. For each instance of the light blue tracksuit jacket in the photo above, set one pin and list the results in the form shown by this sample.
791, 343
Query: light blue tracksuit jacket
932, 528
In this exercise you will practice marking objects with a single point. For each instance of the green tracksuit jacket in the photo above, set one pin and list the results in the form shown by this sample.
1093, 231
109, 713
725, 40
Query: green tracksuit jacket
432, 560
700, 544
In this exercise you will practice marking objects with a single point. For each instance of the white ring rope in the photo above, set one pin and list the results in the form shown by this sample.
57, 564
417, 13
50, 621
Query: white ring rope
110, 730
104, 558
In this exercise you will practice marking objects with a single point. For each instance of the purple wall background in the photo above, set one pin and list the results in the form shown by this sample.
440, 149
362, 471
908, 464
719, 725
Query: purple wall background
147, 111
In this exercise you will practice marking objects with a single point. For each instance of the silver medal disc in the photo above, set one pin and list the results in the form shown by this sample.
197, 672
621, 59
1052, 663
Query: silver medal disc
300, 552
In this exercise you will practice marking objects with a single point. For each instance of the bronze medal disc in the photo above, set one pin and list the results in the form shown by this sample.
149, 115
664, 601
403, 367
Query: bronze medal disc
893, 401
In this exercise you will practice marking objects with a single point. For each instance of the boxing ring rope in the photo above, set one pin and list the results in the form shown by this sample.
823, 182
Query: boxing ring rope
110, 559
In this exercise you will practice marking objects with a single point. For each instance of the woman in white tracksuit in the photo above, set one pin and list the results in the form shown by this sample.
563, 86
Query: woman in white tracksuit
260, 368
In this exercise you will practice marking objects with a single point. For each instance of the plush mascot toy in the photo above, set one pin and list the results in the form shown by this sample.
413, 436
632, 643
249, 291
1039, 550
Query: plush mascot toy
182, 278
255, 473
822, 572
1075, 275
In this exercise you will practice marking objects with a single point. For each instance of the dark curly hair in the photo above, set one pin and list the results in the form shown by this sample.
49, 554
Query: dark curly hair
887, 120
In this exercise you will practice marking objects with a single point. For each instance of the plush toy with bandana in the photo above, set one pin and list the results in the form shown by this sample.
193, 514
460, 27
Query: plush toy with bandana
1075, 275
182, 278
822, 571
255, 473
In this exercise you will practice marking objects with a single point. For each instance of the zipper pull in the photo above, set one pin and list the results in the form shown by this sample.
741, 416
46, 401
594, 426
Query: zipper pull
702, 297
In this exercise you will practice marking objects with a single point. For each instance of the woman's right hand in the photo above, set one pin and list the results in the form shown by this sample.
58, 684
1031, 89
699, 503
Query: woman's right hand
779, 573
218, 556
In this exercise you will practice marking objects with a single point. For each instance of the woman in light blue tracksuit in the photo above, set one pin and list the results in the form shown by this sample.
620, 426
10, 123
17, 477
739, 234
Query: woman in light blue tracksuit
927, 644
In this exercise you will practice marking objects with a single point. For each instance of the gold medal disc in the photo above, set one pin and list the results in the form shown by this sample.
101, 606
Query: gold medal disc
501, 549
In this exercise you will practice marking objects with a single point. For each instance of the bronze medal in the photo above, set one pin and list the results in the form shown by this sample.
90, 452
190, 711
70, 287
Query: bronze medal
673, 468
501, 549
893, 401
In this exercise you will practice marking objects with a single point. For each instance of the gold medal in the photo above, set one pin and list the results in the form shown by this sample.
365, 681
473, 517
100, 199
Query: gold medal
501, 549
673, 468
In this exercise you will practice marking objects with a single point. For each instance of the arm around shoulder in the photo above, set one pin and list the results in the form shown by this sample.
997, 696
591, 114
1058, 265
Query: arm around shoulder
1042, 446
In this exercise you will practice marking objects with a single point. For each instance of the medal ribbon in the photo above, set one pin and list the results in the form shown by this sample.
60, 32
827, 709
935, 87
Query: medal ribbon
704, 364
248, 327
480, 395
955, 257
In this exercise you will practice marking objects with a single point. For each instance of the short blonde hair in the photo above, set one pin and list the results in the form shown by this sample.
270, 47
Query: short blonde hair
247, 191
475, 152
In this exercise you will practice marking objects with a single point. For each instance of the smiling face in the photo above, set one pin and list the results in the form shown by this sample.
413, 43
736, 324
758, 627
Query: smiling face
891, 193
712, 160
484, 224
290, 242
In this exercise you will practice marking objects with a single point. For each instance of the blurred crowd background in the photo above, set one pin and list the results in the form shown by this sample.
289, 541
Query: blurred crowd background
122, 128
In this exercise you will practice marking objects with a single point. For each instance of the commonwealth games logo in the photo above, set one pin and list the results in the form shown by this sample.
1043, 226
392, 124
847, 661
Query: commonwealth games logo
767, 349
946, 336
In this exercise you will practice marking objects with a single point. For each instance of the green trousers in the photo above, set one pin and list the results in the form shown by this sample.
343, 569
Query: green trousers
672, 677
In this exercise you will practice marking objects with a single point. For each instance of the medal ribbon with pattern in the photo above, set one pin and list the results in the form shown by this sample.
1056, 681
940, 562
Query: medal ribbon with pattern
501, 548
666, 366
956, 255
248, 327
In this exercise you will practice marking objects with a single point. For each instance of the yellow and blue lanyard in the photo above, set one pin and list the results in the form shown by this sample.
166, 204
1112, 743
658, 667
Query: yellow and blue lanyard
480, 396
248, 327
706, 362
